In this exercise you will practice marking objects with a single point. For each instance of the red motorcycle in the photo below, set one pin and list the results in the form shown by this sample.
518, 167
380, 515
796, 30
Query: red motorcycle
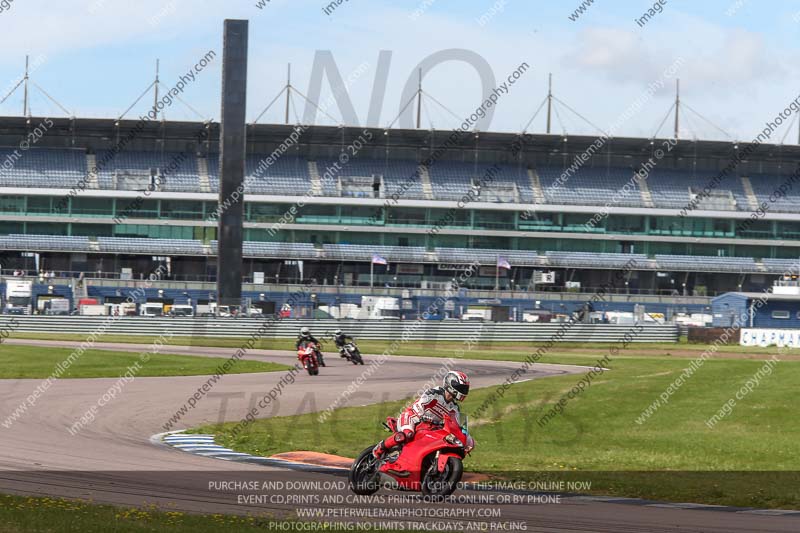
307, 354
431, 463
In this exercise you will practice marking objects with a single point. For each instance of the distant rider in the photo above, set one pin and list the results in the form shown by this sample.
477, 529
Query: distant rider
431, 407
306, 337
340, 339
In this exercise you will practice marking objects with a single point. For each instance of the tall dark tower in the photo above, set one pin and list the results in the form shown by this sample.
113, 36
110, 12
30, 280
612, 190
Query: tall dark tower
232, 154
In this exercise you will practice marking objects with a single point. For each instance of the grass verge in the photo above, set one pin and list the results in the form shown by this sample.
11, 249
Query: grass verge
20, 514
562, 352
18, 362
748, 459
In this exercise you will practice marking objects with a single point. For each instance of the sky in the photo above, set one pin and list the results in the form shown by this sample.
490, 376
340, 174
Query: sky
737, 60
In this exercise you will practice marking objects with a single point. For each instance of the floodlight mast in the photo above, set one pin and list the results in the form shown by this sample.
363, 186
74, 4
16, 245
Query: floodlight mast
25, 98
549, 99
419, 100
288, 90
155, 94
677, 106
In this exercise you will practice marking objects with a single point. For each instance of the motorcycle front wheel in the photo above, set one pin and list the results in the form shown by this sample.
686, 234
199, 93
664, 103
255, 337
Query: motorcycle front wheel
364, 477
438, 484
356, 358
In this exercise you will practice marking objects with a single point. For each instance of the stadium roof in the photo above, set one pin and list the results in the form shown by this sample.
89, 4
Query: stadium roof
101, 133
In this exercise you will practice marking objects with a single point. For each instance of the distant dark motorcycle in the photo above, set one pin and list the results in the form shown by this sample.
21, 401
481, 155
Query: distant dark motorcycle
351, 353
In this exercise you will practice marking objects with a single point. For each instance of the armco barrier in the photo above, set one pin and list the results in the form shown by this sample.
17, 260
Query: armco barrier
361, 329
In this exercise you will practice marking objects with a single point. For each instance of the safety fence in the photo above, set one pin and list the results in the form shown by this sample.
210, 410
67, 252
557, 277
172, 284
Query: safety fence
448, 330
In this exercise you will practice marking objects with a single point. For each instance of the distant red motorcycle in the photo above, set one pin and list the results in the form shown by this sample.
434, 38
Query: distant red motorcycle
431, 463
307, 354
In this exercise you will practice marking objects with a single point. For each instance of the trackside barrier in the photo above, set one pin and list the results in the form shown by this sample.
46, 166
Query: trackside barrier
361, 329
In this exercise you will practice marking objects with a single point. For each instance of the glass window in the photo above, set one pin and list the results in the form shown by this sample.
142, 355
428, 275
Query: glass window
153, 232
625, 223
451, 241
40, 205
92, 230
7, 228
721, 225
15, 204
576, 220
494, 219
181, 209
786, 252
535, 218
267, 212
347, 237
46, 228
89, 205
321, 214
263, 235
407, 215
443, 218
136, 208
786, 229
756, 228
780, 314
503, 243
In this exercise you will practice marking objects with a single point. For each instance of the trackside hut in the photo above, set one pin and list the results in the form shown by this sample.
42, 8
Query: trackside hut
780, 311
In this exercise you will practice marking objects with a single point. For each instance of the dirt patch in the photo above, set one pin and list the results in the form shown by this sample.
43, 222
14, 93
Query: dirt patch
315, 458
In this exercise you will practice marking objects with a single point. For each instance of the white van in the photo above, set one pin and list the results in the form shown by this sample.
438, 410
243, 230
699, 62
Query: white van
181, 310
151, 309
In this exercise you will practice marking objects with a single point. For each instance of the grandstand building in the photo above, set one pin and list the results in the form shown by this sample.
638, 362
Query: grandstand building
105, 197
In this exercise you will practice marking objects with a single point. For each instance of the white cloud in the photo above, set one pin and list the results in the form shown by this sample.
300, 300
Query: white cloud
734, 76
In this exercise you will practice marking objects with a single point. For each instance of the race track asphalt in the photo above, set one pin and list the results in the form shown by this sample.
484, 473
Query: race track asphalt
113, 460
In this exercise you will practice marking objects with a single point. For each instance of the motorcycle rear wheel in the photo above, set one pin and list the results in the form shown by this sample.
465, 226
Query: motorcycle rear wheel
438, 484
364, 477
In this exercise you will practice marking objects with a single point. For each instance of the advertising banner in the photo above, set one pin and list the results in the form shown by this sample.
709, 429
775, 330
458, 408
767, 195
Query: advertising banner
770, 337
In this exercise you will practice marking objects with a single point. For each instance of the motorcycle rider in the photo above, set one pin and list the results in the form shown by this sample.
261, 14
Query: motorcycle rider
340, 339
306, 337
430, 407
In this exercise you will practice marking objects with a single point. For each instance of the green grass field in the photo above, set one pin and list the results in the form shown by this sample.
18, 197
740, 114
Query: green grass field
748, 459
671, 456
55, 515
36, 362
562, 352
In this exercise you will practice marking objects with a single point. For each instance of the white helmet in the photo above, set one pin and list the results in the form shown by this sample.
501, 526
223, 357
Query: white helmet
337, 332
305, 332
457, 384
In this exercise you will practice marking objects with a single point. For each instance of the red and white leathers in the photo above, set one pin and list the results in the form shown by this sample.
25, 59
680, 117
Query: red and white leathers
432, 406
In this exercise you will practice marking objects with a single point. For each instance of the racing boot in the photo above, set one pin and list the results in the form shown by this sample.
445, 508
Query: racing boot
389, 443
379, 450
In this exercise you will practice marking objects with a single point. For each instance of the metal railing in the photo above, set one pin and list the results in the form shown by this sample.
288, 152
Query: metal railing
445, 331
112, 279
